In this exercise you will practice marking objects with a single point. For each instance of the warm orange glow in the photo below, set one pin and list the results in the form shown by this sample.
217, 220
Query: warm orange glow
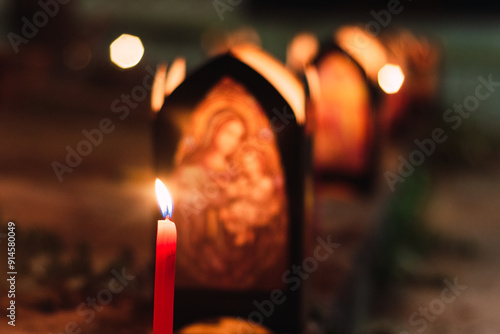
312, 77
364, 48
126, 51
341, 114
165, 82
158, 90
390, 78
164, 199
282, 79
175, 75
301, 51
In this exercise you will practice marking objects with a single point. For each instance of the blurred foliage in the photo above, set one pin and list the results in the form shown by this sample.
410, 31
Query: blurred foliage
403, 237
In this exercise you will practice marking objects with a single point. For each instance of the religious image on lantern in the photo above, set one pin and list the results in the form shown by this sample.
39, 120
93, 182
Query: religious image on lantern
230, 195
342, 116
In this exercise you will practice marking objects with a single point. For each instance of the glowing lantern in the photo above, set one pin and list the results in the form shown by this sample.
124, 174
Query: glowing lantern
342, 119
390, 78
229, 140
126, 51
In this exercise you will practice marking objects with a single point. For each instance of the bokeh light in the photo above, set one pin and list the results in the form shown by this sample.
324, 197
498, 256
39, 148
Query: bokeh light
302, 50
390, 78
126, 51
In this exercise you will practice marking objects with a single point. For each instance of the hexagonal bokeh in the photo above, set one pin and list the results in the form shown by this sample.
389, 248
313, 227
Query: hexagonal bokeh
126, 51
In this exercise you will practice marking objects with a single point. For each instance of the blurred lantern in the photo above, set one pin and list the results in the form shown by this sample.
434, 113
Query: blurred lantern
418, 60
342, 117
126, 51
229, 141
385, 59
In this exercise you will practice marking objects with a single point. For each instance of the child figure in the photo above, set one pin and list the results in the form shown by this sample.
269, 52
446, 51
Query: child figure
252, 196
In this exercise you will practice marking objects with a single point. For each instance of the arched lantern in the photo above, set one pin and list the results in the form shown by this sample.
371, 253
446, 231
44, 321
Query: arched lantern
229, 142
403, 69
343, 119
385, 70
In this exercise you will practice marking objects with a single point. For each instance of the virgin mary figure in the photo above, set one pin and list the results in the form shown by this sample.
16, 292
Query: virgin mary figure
229, 193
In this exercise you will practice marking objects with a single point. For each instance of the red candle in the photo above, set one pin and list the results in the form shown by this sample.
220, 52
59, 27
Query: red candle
166, 240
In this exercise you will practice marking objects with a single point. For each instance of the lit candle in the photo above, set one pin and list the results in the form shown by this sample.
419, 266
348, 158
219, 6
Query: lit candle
166, 240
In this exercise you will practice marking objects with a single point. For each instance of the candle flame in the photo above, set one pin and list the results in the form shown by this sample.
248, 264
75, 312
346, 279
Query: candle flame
164, 199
